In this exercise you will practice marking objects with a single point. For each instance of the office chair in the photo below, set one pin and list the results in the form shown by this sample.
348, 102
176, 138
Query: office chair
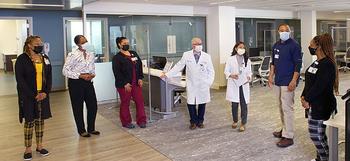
263, 71
345, 61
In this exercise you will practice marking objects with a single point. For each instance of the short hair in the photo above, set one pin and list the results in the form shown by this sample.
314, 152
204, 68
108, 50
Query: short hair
77, 39
118, 40
283, 24
195, 38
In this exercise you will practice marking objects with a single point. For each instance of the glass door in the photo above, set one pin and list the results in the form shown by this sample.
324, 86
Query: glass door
95, 34
265, 36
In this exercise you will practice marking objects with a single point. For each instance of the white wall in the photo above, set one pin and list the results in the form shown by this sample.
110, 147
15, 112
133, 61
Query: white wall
271, 14
104, 82
8, 42
137, 9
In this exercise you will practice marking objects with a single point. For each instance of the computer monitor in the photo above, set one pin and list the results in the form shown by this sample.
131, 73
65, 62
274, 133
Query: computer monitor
158, 62
254, 52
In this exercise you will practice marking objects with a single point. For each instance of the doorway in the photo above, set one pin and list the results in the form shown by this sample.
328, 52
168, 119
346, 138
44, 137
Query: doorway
14, 31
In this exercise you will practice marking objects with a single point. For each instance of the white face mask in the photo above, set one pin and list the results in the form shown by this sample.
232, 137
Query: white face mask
240, 51
85, 45
284, 36
198, 48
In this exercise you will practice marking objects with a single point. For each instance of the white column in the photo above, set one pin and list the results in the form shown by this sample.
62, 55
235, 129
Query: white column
308, 31
220, 39
348, 33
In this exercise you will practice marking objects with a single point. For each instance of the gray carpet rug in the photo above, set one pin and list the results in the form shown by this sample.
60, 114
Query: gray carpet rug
218, 141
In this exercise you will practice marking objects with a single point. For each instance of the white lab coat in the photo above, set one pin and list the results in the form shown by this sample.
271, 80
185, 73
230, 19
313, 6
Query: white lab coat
199, 76
232, 91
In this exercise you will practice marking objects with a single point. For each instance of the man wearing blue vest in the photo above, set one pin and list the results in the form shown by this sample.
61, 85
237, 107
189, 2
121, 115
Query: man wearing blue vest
285, 69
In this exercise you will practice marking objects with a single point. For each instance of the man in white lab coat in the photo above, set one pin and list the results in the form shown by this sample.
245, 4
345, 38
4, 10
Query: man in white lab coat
199, 77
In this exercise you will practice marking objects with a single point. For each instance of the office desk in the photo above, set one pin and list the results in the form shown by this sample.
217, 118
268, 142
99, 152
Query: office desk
162, 91
7, 59
334, 124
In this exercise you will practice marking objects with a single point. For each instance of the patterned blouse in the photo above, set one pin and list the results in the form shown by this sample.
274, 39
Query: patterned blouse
76, 64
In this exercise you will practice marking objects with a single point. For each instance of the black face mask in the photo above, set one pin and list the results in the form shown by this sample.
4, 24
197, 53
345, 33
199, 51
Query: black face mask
125, 47
38, 49
312, 50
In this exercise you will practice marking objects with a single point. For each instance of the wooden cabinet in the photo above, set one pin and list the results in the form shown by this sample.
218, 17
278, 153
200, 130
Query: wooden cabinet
7, 58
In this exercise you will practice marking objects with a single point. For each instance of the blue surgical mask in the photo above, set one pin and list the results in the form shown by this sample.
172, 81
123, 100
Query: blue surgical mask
284, 36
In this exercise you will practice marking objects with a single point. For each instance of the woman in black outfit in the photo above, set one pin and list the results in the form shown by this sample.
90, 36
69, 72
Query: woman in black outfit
127, 69
321, 82
33, 76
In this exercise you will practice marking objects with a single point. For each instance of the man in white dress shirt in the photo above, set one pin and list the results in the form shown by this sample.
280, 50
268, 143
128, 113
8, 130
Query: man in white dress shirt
80, 70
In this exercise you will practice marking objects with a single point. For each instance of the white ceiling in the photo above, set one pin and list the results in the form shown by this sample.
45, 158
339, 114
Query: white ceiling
292, 5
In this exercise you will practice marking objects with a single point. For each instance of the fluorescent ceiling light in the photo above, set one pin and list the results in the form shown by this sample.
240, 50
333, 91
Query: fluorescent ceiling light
340, 11
31, 5
215, 3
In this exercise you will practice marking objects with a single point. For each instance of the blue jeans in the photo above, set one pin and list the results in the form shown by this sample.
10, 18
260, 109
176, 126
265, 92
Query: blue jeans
196, 117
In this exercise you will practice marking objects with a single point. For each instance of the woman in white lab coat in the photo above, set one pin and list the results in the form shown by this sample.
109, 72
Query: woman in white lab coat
238, 74
199, 77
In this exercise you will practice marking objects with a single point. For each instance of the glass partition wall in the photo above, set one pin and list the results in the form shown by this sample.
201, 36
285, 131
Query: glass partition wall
167, 36
260, 35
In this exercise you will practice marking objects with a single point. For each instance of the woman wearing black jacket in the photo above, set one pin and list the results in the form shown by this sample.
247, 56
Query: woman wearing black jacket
321, 82
34, 79
127, 69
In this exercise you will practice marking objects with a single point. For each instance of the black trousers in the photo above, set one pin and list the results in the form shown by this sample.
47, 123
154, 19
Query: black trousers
81, 91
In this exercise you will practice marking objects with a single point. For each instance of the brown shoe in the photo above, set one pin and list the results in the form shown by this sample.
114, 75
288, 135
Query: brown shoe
285, 142
277, 134
200, 125
234, 125
241, 128
192, 126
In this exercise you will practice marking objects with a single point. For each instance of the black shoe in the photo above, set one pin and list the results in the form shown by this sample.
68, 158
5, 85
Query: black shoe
27, 156
43, 152
129, 126
95, 132
85, 134
142, 126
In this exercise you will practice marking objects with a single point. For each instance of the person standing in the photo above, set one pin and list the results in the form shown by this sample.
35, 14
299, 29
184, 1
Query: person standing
238, 74
80, 70
34, 81
199, 77
321, 82
285, 68
128, 74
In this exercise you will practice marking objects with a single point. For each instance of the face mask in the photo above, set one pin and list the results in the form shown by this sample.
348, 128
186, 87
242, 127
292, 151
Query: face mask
312, 50
125, 47
85, 45
38, 49
198, 48
240, 51
284, 36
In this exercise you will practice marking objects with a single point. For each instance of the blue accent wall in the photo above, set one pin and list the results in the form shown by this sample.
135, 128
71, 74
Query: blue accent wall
49, 25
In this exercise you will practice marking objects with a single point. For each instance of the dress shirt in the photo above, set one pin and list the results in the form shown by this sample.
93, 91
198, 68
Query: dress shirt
76, 64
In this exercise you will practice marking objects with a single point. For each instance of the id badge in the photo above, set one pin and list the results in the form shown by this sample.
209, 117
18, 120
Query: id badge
46, 61
312, 70
133, 58
277, 56
241, 69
